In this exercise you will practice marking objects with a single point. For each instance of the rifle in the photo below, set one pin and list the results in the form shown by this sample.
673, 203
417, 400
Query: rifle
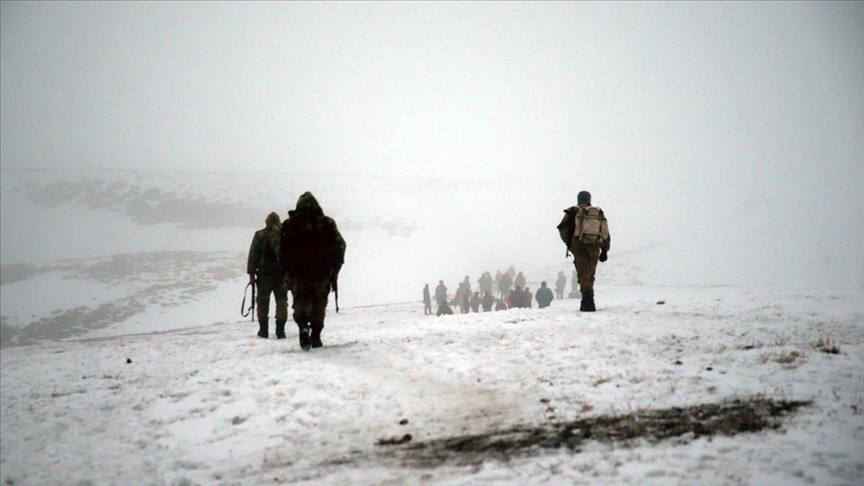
243, 304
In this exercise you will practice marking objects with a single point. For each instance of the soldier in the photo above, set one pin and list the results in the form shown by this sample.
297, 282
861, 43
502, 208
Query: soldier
312, 252
544, 294
589, 243
264, 272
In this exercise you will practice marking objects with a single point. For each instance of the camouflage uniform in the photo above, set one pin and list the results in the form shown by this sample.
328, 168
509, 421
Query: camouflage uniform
311, 254
263, 263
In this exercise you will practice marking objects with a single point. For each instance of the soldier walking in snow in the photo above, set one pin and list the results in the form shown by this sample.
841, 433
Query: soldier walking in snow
264, 272
312, 252
586, 232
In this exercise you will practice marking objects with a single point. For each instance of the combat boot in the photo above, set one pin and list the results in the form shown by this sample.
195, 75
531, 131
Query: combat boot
315, 339
303, 330
263, 331
587, 304
280, 329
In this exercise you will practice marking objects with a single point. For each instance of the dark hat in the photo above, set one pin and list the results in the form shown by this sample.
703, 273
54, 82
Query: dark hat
583, 197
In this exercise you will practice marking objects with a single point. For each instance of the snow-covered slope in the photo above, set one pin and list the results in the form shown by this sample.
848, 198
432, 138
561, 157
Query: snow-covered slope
217, 405
124, 358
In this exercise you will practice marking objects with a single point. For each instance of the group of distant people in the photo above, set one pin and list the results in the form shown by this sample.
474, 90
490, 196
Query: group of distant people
467, 300
585, 232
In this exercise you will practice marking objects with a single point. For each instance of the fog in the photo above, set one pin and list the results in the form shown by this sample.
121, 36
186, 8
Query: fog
723, 140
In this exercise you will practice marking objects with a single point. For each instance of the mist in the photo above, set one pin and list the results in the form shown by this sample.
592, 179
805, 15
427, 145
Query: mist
723, 140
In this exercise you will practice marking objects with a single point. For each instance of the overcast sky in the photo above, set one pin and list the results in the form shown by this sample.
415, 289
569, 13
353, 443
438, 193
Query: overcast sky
762, 98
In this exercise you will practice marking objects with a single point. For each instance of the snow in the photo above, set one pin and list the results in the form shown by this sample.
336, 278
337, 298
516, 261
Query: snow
217, 405
124, 359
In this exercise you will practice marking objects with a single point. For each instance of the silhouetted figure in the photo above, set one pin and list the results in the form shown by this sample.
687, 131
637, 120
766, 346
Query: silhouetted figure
488, 301
265, 273
311, 253
444, 309
475, 302
589, 244
504, 284
427, 301
574, 286
466, 301
440, 293
559, 285
544, 295
520, 281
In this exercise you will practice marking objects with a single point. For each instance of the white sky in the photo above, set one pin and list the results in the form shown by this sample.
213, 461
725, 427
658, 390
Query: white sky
756, 97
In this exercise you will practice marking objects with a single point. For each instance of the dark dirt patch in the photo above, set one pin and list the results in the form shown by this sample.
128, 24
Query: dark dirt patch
727, 418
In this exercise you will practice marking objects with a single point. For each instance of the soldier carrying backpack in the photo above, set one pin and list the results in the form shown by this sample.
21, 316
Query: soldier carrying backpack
311, 253
585, 231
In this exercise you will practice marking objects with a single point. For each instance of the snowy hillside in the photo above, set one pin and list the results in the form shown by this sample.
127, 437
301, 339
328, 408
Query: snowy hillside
731, 385
125, 360
127, 252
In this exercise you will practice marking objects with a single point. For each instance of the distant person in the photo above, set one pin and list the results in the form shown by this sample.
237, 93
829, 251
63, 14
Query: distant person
589, 242
266, 274
466, 301
482, 282
514, 298
574, 285
500, 305
527, 297
467, 284
444, 309
459, 298
504, 285
440, 293
544, 294
427, 301
475, 302
520, 280
488, 301
560, 284
311, 252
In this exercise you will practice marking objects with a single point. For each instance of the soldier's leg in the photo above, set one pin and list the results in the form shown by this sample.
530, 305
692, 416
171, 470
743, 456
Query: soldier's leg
586, 270
582, 261
281, 295
319, 311
262, 300
302, 309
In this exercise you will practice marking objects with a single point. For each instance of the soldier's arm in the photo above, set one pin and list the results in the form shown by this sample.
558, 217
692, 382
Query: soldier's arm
254, 257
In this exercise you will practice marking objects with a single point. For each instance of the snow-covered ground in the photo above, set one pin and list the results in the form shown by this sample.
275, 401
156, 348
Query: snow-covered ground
217, 405
124, 359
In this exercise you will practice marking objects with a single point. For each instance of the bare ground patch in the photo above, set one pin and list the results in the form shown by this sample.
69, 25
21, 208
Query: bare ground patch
727, 418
